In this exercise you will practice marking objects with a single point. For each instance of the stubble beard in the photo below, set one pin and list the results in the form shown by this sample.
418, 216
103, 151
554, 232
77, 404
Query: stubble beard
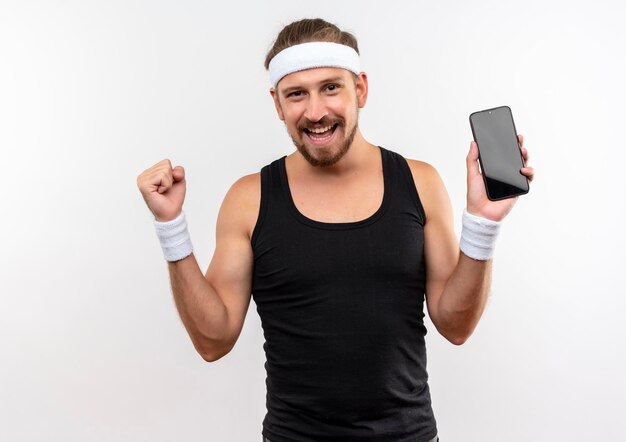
326, 160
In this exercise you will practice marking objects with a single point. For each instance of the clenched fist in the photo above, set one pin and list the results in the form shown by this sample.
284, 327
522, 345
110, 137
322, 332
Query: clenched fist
163, 189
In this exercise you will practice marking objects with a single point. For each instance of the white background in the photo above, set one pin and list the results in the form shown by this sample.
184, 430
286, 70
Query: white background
93, 93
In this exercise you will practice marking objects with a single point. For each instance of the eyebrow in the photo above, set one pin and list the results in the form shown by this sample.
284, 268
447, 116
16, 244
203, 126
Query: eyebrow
336, 79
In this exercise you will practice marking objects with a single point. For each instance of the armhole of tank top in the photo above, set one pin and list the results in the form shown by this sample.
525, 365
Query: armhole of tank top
413, 189
262, 205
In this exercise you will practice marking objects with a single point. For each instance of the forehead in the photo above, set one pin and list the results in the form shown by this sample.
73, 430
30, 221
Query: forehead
312, 77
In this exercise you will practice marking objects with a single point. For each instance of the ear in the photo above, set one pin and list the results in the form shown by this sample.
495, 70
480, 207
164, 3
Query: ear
279, 109
361, 89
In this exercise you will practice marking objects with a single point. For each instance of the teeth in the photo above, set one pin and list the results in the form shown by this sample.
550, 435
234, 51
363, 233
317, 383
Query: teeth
322, 130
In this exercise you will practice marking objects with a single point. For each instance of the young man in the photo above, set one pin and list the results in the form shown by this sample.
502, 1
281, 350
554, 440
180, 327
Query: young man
340, 243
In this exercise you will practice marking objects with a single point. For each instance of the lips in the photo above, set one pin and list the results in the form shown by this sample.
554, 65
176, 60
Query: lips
321, 136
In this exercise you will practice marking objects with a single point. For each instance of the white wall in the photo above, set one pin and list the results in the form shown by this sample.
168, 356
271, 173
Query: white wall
93, 93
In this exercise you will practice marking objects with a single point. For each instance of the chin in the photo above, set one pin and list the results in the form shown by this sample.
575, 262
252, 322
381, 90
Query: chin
324, 156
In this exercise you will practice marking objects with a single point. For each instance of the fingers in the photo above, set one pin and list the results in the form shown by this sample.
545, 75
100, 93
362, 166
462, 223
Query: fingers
525, 154
472, 161
159, 176
528, 172
523, 149
165, 179
178, 173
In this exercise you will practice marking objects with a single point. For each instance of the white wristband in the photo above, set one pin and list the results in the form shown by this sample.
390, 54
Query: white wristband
478, 236
174, 238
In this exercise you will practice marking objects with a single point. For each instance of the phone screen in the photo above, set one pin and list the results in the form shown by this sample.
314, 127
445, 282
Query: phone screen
499, 153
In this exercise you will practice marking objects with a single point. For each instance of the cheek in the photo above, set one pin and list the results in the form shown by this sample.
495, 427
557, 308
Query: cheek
343, 105
293, 114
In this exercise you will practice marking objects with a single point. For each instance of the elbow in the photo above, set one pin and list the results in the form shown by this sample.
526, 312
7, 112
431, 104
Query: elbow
456, 331
456, 336
214, 353
458, 340
211, 357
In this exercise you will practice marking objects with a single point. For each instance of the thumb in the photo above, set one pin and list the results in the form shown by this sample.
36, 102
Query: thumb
178, 173
472, 161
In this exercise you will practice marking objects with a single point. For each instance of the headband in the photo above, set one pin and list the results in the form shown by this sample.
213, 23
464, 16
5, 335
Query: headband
317, 54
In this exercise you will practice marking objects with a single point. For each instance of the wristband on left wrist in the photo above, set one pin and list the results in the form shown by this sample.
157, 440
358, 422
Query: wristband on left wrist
478, 236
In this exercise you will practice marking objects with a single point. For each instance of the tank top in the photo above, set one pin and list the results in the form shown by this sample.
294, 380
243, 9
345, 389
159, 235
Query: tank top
342, 309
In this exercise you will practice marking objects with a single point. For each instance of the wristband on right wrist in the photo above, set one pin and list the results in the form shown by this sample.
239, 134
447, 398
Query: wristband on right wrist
478, 236
174, 238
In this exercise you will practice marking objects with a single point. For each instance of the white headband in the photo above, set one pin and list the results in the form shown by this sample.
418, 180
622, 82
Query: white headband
317, 54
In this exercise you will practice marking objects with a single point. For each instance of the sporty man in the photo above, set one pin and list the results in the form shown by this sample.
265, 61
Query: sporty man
340, 243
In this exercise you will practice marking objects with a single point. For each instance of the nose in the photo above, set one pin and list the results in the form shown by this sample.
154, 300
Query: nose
316, 108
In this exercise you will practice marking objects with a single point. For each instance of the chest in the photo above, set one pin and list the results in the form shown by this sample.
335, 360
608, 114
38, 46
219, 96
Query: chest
338, 202
297, 264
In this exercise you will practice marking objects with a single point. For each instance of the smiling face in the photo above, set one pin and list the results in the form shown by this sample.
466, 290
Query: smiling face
320, 110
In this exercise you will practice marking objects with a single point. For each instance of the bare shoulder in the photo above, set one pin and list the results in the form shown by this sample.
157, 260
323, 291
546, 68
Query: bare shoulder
248, 186
430, 187
242, 202
421, 170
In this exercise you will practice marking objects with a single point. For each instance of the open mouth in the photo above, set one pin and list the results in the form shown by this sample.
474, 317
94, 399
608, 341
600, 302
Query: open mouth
322, 135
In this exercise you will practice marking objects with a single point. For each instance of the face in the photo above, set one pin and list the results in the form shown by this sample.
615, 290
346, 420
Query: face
320, 110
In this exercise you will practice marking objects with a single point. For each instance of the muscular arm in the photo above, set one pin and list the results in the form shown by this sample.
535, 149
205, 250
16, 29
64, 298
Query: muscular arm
201, 309
457, 286
213, 307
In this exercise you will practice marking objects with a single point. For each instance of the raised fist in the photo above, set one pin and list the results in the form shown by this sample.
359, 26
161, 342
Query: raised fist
163, 189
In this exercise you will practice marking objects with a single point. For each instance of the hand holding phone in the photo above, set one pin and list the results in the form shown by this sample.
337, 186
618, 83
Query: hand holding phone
499, 153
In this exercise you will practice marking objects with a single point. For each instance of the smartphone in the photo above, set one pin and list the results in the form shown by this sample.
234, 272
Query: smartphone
499, 153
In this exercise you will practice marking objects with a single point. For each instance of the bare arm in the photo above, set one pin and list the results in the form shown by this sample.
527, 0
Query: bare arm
213, 307
456, 305
457, 286
201, 309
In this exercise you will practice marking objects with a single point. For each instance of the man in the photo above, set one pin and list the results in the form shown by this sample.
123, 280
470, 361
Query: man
339, 242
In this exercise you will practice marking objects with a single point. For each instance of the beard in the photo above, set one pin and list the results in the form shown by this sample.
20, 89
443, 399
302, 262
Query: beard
328, 156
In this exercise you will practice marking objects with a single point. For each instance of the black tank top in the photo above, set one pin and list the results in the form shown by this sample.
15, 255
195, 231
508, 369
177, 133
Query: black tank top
342, 309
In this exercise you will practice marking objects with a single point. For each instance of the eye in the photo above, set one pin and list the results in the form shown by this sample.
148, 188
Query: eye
332, 87
294, 94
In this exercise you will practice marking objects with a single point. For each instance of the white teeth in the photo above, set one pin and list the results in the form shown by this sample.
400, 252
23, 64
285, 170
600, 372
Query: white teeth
322, 130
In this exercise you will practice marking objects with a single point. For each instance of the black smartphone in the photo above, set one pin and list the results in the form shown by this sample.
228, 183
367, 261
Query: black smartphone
499, 153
